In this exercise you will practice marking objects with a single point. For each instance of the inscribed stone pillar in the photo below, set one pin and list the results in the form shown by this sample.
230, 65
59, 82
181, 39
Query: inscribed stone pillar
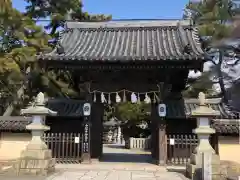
36, 158
195, 168
86, 148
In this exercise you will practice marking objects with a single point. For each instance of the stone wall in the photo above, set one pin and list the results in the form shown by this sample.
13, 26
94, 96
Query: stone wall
229, 148
12, 144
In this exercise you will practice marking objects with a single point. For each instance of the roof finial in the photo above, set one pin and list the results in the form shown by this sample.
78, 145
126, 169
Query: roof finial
202, 99
40, 99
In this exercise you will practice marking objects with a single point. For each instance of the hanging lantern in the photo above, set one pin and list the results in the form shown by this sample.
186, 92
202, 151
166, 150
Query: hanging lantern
147, 99
162, 110
118, 98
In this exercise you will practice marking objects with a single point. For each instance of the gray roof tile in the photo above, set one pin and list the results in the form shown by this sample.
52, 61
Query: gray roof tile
14, 122
227, 126
131, 40
66, 107
183, 108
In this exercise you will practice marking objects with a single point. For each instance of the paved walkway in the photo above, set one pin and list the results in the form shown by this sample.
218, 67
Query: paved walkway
115, 175
103, 175
117, 164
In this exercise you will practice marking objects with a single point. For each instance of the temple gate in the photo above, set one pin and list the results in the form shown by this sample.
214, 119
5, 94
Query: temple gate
128, 60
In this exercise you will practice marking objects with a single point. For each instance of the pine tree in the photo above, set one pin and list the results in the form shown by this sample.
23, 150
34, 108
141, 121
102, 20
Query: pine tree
5, 6
20, 39
212, 17
59, 11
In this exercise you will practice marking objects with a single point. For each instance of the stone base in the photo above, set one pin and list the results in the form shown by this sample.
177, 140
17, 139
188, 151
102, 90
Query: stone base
35, 162
95, 161
197, 158
86, 158
194, 171
35, 171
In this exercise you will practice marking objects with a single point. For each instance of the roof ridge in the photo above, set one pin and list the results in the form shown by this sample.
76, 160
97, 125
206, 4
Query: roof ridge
129, 23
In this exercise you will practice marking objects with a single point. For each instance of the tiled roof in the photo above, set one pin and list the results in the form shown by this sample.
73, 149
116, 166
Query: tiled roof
128, 40
215, 104
66, 107
227, 126
183, 108
14, 122
227, 123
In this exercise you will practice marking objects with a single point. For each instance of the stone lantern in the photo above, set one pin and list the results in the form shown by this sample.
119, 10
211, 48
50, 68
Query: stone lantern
203, 114
37, 158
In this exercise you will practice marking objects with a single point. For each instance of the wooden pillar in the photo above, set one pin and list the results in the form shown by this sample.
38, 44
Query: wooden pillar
162, 142
158, 137
96, 129
154, 132
164, 90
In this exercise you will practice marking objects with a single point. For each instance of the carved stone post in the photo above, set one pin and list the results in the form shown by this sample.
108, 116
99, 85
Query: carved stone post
203, 114
86, 148
37, 158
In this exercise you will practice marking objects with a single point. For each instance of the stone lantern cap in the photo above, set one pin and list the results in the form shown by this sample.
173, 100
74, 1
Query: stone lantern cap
36, 127
204, 110
38, 108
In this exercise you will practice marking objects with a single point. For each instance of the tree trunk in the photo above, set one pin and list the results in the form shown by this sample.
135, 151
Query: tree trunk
54, 29
220, 77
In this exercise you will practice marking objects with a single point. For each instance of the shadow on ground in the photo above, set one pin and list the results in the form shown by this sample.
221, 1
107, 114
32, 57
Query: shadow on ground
180, 170
128, 158
114, 146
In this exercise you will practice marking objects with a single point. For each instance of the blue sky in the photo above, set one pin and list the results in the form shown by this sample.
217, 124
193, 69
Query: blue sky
130, 9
